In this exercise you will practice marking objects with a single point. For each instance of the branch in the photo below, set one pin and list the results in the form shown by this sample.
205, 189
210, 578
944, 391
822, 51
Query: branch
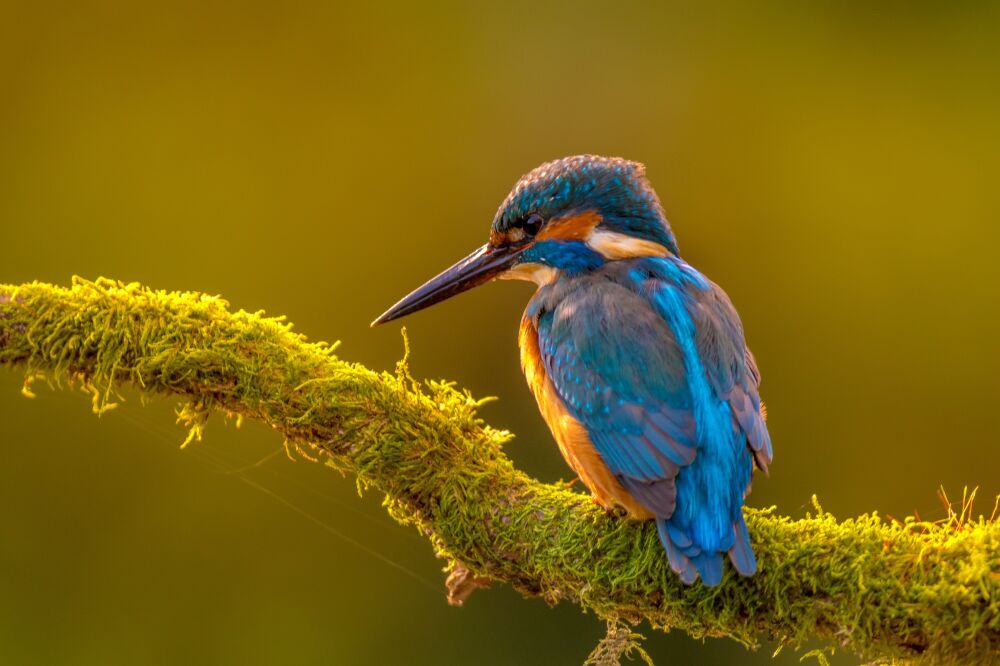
885, 590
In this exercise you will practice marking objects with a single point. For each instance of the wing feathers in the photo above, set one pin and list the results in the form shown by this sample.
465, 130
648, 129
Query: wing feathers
748, 415
669, 439
661, 493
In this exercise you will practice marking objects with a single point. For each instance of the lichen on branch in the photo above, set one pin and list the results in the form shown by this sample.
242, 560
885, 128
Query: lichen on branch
883, 589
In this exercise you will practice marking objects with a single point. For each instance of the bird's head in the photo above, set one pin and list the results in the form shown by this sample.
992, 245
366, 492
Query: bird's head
565, 217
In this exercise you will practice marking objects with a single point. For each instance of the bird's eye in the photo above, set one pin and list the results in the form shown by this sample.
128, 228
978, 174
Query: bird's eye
532, 224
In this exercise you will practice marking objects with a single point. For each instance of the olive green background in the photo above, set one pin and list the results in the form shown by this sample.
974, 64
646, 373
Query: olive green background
834, 166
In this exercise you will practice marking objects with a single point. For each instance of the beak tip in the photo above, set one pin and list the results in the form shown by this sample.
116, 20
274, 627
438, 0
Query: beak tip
481, 266
389, 315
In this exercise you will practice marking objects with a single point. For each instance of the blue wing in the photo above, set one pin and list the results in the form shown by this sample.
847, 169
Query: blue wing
650, 358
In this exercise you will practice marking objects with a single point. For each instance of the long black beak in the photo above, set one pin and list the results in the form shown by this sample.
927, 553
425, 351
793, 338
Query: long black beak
481, 266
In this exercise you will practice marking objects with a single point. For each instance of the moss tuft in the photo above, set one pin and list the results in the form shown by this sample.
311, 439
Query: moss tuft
620, 641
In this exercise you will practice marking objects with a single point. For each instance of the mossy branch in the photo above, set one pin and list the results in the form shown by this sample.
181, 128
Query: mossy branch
928, 592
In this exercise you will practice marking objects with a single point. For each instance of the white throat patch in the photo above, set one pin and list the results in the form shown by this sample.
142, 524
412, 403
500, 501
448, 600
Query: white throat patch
613, 245
537, 273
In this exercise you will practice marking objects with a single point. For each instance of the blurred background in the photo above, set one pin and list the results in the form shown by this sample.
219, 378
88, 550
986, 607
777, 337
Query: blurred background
834, 166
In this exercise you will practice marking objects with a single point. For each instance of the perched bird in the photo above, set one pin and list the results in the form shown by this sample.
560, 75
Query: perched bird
637, 360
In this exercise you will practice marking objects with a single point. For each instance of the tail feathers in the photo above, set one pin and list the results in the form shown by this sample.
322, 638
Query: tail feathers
709, 566
679, 562
741, 554
689, 562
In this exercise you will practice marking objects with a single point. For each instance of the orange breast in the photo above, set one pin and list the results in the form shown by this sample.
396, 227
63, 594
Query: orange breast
571, 436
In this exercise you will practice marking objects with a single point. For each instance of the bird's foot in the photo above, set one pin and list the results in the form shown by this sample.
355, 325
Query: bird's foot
609, 509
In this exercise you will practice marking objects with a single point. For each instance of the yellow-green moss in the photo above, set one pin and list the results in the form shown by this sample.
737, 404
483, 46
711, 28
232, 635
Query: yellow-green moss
882, 589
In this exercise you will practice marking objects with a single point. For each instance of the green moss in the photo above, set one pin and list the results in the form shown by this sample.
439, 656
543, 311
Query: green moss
885, 590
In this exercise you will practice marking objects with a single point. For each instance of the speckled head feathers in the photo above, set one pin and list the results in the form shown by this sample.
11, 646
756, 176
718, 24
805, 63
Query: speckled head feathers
615, 188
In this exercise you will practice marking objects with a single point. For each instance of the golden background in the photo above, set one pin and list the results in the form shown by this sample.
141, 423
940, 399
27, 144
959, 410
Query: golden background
834, 166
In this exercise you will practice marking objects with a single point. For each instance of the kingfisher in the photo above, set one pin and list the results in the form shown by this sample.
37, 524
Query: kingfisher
637, 361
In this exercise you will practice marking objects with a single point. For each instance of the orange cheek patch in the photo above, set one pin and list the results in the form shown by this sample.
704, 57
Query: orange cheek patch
571, 227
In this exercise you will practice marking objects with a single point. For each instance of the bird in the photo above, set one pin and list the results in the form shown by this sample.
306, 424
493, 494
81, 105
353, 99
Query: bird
637, 361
